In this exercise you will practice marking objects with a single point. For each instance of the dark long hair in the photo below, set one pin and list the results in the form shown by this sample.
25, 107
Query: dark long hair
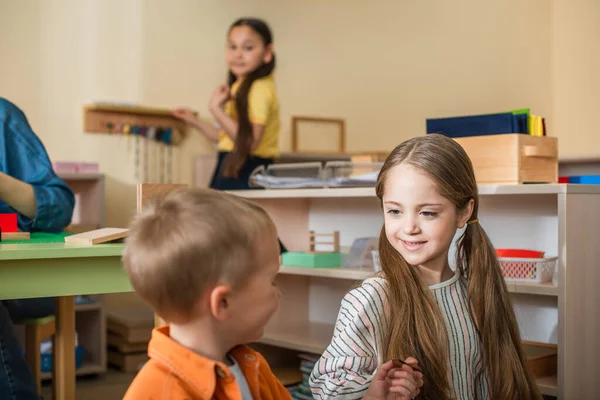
244, 137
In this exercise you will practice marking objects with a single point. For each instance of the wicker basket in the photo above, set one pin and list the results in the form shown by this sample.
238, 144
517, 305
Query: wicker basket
530, 270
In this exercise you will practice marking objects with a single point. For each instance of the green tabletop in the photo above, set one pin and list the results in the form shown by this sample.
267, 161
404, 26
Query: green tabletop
41, 237
41, 269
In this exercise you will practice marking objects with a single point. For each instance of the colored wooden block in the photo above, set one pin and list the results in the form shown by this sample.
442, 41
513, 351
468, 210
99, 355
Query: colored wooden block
8, 222
97, 236
312, 260
15, 235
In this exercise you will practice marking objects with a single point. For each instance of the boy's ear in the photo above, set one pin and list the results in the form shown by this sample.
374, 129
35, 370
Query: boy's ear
465, 214
220, 302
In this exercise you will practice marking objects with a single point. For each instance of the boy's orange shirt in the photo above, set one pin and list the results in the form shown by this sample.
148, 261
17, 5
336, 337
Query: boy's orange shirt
176, 373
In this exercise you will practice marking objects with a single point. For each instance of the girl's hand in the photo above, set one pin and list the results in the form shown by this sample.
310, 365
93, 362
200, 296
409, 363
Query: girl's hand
219, 97
184, 114
397, 383
405, 382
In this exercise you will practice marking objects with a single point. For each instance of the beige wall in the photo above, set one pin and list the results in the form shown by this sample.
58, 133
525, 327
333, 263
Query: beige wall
384, 66
576, 77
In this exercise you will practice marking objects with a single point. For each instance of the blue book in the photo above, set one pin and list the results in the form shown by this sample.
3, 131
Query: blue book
478, 125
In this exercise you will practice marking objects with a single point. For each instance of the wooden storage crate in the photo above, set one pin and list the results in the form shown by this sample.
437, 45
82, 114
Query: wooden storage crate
512, 158
129, 331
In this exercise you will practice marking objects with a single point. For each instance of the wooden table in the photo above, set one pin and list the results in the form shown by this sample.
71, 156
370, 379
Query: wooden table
61, 270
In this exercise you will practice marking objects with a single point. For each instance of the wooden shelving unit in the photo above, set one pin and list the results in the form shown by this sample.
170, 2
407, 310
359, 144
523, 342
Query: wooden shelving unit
560, 219
90, 319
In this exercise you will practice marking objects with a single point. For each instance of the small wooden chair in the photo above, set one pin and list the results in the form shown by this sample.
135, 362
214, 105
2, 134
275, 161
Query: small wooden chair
36, 330
147, 192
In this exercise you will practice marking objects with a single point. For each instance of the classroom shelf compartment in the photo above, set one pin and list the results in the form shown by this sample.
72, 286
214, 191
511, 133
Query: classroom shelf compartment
86, 369
288, 375
311, 337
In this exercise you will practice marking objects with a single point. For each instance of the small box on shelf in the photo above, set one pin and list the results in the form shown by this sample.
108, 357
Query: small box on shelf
316, 258
512, 158
128, 333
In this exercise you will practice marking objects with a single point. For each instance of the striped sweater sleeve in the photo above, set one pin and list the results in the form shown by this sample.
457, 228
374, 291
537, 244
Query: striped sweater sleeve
347, 366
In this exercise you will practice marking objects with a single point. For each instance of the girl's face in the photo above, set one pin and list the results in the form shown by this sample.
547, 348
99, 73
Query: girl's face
419, 222
246, 51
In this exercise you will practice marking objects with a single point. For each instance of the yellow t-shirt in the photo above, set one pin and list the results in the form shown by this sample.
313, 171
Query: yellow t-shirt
263, 109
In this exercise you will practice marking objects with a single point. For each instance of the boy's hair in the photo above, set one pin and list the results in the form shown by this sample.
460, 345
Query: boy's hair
189, 240
418, 328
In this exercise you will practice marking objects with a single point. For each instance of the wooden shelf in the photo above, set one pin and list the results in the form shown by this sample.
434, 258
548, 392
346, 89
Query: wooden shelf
339, 273
86, 369
103, 118
81, 176
311, 337
543, 289
548, 385
484, 190
305, 193
128, 109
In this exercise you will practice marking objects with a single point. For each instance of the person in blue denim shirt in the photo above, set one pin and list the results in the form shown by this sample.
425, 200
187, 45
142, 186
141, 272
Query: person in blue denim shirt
43, 202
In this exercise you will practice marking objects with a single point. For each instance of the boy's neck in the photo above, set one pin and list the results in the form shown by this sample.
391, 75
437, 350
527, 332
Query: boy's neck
201, 337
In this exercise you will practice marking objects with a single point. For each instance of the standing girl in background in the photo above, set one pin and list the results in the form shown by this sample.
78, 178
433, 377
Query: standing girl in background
247, 109
460, 326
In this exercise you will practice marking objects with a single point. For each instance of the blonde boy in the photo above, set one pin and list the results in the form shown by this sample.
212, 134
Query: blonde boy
206, 262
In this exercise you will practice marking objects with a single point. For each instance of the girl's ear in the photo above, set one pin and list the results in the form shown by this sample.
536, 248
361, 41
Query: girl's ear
220, 302
268, 54
465, 213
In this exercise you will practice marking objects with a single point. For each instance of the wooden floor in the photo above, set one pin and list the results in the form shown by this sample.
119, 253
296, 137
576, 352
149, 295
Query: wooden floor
111, 386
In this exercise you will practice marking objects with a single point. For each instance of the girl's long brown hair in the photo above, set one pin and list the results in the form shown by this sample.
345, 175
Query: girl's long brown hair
244, 136
417, 328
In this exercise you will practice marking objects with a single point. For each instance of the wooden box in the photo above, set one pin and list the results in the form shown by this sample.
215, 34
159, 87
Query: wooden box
512, 158
129, 331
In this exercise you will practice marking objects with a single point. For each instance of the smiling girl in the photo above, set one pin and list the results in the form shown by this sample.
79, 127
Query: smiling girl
457, 326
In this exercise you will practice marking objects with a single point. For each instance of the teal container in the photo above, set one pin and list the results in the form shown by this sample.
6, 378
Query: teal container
312, 260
